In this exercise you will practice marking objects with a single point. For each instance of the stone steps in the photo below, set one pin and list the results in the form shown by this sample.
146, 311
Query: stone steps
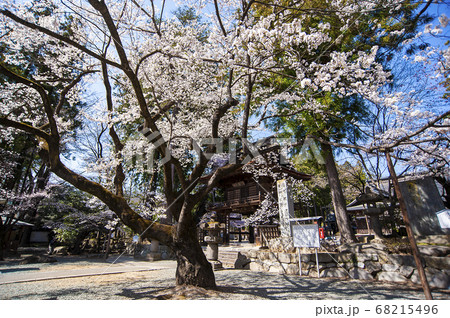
232, 257
228, 258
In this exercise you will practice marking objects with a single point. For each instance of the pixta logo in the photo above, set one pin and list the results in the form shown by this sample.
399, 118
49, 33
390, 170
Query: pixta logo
232, 149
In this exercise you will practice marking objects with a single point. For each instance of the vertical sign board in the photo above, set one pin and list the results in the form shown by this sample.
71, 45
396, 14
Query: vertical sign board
285, 207
306, 235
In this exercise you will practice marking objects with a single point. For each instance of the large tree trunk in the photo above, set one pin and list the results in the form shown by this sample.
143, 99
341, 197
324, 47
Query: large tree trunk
192, 266
1, 245
337, 196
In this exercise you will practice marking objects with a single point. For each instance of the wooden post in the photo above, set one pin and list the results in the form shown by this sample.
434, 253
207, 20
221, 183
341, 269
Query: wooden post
317, 264
412, 240
107, 245
97, 248
368, 226
299, 260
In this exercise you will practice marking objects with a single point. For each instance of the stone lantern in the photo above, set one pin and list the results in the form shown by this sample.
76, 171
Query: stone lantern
213, 239
369, 200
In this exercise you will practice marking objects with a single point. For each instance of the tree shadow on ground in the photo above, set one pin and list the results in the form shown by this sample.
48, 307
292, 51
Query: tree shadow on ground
53, 295
276, 286
246, 285
283, 287
12, 270
234, 285
132, 293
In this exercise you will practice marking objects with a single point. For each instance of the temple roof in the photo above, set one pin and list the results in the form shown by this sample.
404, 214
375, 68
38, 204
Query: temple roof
240, 175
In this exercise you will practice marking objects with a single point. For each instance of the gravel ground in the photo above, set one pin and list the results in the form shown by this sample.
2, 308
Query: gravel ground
160, 284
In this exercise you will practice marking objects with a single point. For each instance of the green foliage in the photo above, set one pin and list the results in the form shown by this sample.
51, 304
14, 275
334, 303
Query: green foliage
353, 180
318, 184
187, 17
66, 236
336, 123
70, 211
382, 26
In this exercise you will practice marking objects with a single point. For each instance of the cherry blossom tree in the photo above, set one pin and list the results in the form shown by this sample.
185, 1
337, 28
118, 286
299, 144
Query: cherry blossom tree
182, 86
25, 175
412, 120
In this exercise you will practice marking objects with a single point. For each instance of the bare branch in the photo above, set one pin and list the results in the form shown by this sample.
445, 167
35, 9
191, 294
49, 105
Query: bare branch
419, 131
55, 35
216, 6
66, 90
24, 127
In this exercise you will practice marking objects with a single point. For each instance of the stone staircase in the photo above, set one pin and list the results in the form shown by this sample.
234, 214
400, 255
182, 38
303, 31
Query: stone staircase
234, 256
228, 257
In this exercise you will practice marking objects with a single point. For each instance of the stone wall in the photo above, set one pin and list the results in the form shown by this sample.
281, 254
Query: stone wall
359, 261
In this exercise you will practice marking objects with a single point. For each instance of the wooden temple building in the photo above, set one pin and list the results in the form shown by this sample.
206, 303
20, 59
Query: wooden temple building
241, 196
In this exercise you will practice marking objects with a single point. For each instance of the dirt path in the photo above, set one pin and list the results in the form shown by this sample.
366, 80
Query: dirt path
79, 278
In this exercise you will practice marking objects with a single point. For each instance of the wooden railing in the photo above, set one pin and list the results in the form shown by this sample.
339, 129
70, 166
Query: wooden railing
266, 233
237, 201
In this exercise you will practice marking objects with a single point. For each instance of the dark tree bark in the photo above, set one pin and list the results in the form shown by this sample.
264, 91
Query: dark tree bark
337, 196
1, 243
445, 183
192, 266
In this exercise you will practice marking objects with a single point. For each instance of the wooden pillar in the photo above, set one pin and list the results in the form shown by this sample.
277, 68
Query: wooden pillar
98, 242
367, 224
412, 240
251, 235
